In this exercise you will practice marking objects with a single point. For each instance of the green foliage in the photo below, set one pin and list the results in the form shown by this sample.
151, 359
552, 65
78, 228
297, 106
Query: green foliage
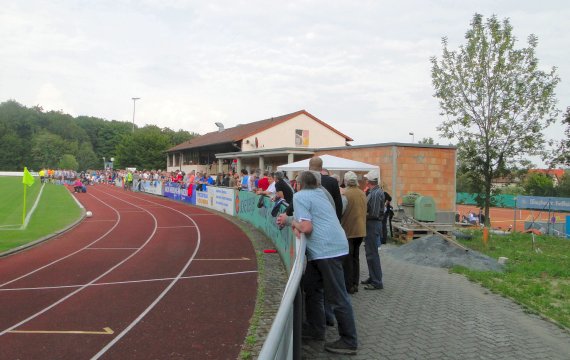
69, 162
48, 149
538, 184
56, 210
86, 157
144, 149
427, 141
178, 137
539, 280
512, 190
12, 195
561, 154
34, 138
563, 188
495, 99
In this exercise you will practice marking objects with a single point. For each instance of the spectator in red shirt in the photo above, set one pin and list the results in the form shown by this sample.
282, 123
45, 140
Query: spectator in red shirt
263, 183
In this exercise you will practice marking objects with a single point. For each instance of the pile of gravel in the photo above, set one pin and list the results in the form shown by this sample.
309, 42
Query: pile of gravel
434, 251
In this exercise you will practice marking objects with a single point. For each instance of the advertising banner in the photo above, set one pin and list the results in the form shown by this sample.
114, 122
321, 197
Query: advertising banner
176, 192
261, 218
202, 198
151, 187
543, 203
222, 199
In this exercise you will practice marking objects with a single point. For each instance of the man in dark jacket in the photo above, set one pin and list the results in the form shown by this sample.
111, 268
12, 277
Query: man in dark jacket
329, 183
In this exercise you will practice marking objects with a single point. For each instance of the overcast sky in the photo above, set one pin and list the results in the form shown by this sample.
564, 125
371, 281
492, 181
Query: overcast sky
361, 66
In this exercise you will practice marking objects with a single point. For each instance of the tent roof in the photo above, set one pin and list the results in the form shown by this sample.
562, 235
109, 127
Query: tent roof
330, 163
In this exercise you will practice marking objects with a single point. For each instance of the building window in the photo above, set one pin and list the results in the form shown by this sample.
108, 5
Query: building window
301, 137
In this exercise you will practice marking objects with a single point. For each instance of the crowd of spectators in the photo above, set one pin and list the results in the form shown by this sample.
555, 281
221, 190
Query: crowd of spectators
335, 216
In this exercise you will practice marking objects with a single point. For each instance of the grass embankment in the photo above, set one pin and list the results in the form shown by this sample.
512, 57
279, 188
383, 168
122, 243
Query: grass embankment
56, 210
537, 275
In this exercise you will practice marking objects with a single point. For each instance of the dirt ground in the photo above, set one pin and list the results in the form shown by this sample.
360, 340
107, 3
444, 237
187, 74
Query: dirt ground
503, 218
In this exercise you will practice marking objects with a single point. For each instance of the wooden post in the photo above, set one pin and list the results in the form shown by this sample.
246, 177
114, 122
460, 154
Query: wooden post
485, 236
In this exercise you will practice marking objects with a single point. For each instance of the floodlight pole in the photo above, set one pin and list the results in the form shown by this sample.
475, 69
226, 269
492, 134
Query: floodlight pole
134, 108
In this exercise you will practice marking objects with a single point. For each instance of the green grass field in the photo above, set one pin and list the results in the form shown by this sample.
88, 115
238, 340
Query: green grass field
55, 211
537, 279
12, 195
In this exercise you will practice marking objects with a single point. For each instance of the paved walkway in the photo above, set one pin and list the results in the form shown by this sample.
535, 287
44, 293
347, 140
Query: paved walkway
427, 313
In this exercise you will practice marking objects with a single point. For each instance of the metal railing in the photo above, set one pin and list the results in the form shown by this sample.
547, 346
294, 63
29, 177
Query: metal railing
284, 338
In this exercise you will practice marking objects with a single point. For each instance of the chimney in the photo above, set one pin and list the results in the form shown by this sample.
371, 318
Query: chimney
220, 126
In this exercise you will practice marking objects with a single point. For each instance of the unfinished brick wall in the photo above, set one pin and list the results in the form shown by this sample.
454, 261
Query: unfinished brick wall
428, 170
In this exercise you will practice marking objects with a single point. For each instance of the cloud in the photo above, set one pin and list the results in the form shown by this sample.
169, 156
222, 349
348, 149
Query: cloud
195, 63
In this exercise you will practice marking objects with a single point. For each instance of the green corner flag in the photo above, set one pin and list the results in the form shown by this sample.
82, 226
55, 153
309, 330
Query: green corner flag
28, 179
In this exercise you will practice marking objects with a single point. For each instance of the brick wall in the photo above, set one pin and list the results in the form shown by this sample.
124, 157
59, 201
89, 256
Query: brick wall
409, 168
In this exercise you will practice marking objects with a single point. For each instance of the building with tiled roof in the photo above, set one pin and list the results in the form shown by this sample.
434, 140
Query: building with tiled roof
422, 168
259, 144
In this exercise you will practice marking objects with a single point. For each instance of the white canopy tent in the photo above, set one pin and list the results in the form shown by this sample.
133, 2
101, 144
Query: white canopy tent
331, 163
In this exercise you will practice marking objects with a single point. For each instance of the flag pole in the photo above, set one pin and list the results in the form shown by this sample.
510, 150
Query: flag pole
27, 180
24, 212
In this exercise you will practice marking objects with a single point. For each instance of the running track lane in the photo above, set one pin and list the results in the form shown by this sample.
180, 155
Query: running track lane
169, 280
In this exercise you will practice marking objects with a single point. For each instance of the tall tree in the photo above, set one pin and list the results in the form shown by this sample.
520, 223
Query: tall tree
143, 149
495, 98
561, 153
563, 188
48, 149
68, 162
538, 184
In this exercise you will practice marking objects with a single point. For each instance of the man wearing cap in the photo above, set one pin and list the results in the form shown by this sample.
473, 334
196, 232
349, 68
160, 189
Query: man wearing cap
374, 215
353, 222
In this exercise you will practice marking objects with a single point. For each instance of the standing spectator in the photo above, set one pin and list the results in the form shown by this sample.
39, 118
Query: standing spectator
263, 183
270, 191
129, 181
373, 239
326, 247
226, 179
219, 179
282, 189
233, 180
329, 183
333, 189
136, 181
353, 222
245, 185
387, 210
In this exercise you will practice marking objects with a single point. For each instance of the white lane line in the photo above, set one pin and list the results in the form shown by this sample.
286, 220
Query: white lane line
29, 216
161, 295
176, 227
111, 248
129, 281
73, 253
86, 285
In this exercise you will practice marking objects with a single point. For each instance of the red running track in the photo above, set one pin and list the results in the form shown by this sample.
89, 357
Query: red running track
143, 278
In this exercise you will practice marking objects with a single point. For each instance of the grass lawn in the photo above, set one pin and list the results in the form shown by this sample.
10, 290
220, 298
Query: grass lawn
537, 279
12, 199
55, 211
